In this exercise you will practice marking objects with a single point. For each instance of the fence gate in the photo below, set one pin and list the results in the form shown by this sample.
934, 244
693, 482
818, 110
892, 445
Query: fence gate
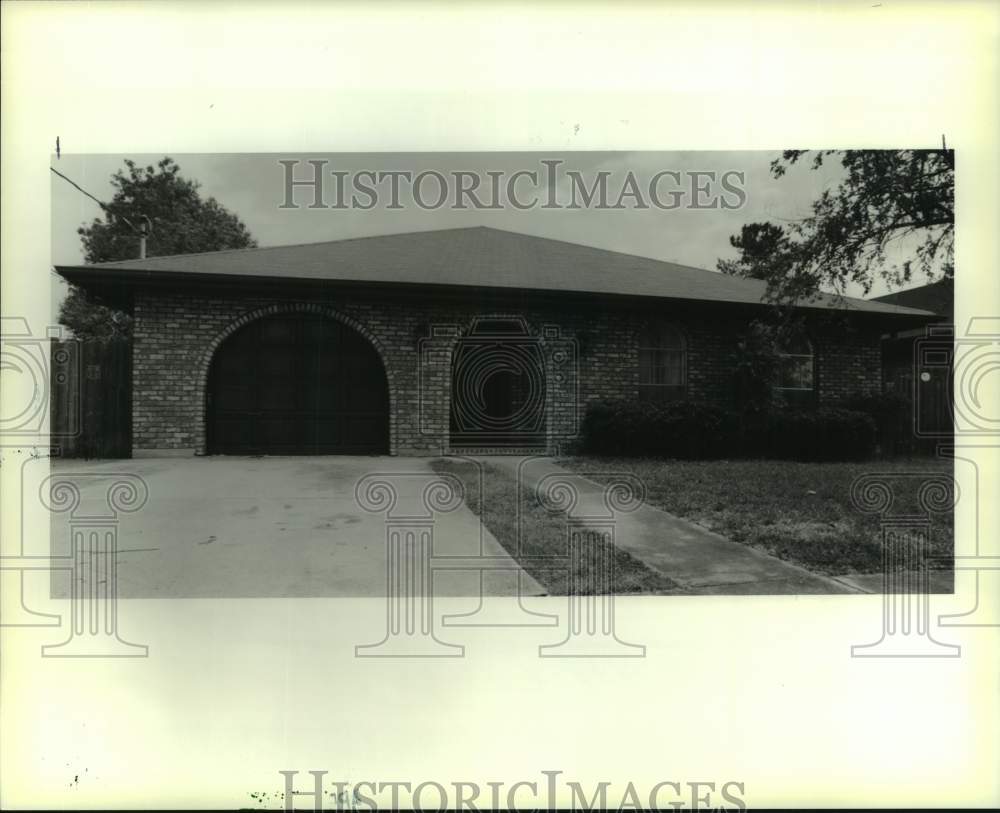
91, 399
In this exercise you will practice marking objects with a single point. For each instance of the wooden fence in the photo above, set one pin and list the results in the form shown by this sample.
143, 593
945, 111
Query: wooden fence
929, 407
91, 398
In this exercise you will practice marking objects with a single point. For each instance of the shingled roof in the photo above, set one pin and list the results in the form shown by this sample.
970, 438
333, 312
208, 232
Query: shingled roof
936, 297
476, 257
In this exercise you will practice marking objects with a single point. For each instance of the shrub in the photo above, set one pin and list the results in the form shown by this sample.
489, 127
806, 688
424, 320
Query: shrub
681, 429
879, 405
893, 416
824, 434
692, 430
607, 427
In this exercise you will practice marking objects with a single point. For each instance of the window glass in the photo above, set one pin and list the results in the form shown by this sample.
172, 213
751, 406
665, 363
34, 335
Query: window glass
662, 363
796, 367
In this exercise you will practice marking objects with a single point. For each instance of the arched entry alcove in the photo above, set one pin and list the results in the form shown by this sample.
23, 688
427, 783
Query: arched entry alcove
498, 390
297, 383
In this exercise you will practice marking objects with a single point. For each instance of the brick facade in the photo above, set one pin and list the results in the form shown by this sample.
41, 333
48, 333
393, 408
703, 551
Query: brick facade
590, 352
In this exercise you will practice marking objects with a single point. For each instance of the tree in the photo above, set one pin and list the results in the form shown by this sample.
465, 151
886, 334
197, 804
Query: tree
182, 223
765, 251
886, 195
756, 366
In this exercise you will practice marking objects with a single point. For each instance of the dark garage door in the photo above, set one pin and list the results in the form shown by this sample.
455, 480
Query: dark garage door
297, 384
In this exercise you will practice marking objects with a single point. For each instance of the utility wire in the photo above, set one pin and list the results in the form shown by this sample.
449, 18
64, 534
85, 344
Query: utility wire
101, 203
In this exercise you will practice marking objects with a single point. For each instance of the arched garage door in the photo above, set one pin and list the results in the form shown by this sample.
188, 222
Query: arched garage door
297, 384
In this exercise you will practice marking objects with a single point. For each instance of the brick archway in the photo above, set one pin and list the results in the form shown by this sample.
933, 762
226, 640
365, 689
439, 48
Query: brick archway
499, 389
205, 363
560, 356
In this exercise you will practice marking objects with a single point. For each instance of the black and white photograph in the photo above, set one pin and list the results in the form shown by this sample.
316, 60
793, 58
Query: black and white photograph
439, 436
719, 419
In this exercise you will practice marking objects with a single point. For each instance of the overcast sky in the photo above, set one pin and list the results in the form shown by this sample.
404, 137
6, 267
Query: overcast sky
252, 186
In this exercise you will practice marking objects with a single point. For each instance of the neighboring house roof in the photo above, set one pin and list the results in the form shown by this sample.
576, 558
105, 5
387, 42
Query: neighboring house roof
477, 257
937, 297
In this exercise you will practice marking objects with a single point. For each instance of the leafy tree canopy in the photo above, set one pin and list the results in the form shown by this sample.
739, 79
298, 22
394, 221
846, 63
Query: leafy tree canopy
183, 222
886, 195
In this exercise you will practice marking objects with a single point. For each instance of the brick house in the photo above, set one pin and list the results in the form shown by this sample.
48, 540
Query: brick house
421, 343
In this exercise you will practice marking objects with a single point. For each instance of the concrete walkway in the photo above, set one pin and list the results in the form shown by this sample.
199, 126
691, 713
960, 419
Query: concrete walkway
938, 582
700, 561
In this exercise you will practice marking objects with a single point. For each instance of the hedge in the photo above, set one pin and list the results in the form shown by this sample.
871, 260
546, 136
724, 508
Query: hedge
893, 416
698, 431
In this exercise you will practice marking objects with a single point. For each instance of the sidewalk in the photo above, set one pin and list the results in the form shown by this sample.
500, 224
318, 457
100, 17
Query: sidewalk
700, 561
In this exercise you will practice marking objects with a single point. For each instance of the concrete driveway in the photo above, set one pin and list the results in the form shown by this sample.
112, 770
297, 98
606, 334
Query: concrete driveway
229, 527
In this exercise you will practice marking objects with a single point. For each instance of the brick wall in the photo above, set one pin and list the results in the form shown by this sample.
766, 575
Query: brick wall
847, 362
590, 354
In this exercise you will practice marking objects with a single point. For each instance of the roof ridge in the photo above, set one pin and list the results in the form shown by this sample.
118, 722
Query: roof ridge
605, 250
653, 272
292, 245
683, 266
341, 240
678, 265
755, 282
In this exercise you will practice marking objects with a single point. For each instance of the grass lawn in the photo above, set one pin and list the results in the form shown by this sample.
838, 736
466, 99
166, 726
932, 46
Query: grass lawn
801, 512
541, 546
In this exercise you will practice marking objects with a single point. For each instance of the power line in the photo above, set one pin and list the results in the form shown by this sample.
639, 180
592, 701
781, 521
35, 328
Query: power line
144, 231
70, 181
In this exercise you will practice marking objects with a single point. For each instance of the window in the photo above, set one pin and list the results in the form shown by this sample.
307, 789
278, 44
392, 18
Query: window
796, 371
662, 364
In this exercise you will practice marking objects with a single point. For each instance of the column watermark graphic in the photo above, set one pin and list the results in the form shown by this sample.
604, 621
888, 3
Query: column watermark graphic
42, 414
970, 362
905, 532
978, 562
590, 543
410, 503
40, 370
504, 586
972, 357
93, 530
37, 367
